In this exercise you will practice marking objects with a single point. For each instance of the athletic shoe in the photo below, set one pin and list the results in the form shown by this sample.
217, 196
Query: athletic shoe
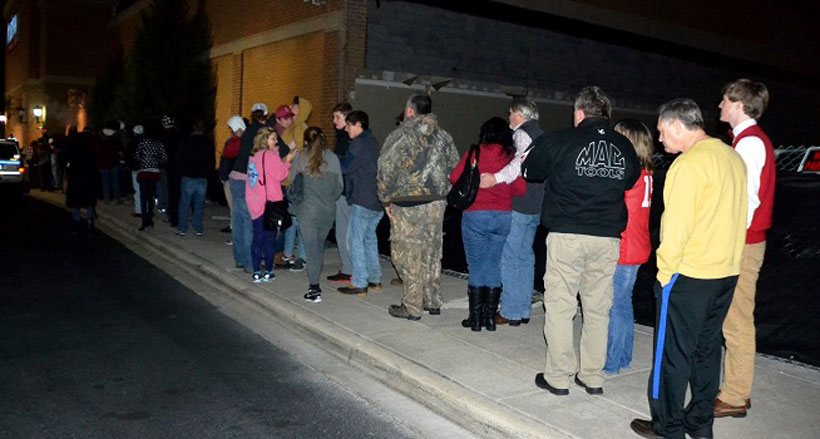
257, 277
198, 234
297, 265
180, 233
268, 276
314, 294
537, 296
226, 230
339, 278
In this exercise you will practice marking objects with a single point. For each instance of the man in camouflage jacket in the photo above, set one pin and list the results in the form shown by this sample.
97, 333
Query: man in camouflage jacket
413, 183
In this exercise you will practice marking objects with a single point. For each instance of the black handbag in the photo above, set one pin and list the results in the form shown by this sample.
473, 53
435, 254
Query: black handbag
462, 194
276, 212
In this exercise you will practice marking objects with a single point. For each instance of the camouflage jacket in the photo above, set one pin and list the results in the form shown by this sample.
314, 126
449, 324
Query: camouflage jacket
416, 161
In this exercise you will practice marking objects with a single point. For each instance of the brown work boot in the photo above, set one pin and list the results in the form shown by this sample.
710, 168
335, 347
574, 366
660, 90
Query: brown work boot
723, 410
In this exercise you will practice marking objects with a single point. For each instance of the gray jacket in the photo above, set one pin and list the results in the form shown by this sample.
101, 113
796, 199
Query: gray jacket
318, 206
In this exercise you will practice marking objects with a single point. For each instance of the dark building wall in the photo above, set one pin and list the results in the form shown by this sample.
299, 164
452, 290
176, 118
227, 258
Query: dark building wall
409, 37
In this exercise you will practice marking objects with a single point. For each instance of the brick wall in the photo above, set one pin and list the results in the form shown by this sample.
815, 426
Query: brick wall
232, 20
225, 96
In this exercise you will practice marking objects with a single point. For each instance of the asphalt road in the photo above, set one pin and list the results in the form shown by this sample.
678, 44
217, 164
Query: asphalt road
96, 342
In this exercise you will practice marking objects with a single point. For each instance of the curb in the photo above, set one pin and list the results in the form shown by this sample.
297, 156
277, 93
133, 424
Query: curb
477, 413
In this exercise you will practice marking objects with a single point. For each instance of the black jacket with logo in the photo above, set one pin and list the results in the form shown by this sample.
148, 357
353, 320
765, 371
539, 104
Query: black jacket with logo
587, 170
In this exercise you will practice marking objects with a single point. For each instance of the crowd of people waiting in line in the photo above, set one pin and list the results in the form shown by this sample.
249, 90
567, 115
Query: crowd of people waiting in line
591, 185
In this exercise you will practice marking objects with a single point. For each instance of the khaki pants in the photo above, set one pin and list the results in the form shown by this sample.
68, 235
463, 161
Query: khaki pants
739, 330
415, 246
578, 264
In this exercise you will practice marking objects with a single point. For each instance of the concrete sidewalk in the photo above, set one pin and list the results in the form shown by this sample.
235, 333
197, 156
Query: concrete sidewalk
484, 380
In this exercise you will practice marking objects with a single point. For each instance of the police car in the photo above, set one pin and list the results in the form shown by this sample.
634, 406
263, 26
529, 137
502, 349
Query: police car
11, 165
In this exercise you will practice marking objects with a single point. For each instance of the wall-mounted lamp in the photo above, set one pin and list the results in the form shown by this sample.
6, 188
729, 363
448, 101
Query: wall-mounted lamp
21, 114
37, 112
2, 117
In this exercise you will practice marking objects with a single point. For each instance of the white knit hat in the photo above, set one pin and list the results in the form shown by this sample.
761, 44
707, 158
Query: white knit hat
138, 130
236, 123
260, 106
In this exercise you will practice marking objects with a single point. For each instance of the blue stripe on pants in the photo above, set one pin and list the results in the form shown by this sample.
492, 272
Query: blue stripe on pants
656, 372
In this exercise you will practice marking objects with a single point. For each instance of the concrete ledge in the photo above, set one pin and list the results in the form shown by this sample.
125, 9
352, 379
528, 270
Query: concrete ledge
478, 413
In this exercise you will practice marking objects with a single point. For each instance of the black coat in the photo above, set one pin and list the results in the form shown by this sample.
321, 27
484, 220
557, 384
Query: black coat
81, 172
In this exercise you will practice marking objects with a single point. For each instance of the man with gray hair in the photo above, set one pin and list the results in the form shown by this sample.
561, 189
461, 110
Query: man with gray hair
703, 230
517, 257
587, 168
413, 182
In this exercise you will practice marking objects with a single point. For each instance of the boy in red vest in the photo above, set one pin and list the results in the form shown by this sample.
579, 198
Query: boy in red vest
743, 103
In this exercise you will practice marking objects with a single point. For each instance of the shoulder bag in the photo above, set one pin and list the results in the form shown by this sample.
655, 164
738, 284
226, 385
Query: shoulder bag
462, 194
276, 213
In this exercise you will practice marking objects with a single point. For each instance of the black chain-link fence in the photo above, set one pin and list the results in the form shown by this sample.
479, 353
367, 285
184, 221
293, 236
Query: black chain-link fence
787, 290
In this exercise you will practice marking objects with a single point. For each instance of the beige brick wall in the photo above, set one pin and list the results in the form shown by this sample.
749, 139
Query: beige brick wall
276, 72
225, 97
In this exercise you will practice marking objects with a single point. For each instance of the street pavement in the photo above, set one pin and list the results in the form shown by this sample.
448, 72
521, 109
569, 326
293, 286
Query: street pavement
99, 343
483, 381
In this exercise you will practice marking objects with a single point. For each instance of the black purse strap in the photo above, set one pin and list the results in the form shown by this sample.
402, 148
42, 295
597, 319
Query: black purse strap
263, 183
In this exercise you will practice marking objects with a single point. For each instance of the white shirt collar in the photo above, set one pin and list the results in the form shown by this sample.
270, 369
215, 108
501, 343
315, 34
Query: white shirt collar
742, 126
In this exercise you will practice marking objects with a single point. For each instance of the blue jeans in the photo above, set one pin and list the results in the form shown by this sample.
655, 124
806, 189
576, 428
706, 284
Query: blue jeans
242, 231
518, 267
110, 183
364, 245
484, 233
262, 245
292, 235
621, 320
192, 189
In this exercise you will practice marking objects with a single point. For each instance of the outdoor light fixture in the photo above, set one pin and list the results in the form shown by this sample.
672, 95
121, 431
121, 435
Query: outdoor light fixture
37, 112
3, 118
21, 114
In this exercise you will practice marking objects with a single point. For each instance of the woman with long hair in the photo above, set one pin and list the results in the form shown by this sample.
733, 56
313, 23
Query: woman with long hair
265, 174
635, 249
321, 186
486, 223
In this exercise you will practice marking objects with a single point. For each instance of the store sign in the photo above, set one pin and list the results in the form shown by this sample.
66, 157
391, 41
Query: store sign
811, 161
11, 33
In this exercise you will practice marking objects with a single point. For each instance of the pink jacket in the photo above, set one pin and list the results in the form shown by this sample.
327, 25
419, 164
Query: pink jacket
268, 187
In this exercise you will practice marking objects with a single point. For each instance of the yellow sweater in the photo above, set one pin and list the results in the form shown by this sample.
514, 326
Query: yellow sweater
296, 131
703, 227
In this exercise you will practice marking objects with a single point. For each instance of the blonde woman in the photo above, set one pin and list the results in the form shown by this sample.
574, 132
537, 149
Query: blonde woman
635, 249
265, 174
322, 186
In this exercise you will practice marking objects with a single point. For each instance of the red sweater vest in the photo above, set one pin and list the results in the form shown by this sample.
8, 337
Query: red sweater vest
762, 219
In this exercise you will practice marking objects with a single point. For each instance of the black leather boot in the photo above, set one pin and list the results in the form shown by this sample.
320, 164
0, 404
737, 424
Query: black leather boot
476, 304
491, 307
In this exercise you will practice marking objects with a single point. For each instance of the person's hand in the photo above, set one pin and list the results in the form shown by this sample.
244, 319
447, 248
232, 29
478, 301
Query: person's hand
487, 181
389, 211
294, 109
289, 157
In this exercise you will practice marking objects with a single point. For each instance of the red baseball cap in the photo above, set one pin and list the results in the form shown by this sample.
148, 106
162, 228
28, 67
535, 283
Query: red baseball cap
283, 112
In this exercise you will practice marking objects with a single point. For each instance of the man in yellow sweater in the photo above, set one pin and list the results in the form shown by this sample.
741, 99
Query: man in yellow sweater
703, 230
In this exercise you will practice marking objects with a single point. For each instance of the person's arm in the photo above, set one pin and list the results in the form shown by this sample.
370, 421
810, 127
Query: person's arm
509, 173
753, 152
353, 160
535, 164
388, 167
678, 220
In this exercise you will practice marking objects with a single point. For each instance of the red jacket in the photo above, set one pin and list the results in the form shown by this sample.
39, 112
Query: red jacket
492, 159
762, 219
635, 244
